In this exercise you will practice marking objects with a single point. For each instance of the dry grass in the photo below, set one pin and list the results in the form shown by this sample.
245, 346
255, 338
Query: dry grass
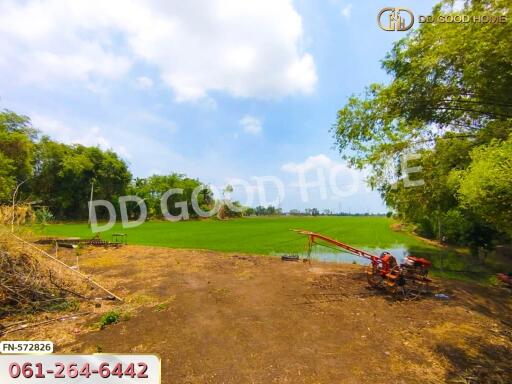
30, 283
23, 214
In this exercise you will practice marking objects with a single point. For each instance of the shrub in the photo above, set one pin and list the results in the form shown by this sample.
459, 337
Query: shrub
108, 318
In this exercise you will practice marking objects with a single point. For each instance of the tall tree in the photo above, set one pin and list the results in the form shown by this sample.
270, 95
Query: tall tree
450, 93
16, 151
152, 189
486, 185
64, 175
7, 178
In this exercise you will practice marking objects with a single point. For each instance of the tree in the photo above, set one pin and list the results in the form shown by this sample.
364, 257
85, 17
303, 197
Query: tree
249, 211
224, 210
485, 187
61, 175
238, 210
268, 211
7, 177
444, 100
152, 189
16, 151
444, 80
64, 175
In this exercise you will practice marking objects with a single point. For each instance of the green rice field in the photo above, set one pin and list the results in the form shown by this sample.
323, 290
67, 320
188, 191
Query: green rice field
262, 235
272, 236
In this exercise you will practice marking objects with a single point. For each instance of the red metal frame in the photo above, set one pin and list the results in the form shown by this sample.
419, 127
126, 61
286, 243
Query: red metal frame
312, 236
384, 265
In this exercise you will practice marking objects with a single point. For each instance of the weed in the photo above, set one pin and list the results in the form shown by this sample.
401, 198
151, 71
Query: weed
108, 318
161, 307
61, 306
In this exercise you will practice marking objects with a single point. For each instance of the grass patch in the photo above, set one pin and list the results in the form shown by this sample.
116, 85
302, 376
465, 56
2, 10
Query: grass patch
164, 306
108, 318
140, 299
272, 235
161, 307
64, 306
452, 264
103, 261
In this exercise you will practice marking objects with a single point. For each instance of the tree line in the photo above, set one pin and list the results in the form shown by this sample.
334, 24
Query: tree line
61, 177
449, 103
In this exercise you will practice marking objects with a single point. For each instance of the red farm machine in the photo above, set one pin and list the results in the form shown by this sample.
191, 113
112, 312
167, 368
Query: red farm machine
408, 278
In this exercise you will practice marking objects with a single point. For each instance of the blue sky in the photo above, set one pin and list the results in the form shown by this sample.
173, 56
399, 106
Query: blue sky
219, 90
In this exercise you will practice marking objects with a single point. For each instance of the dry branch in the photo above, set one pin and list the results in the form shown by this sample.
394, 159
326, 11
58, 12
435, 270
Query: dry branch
26, 326
85, 277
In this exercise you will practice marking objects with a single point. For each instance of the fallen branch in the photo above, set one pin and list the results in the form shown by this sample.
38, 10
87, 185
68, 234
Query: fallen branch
46, 322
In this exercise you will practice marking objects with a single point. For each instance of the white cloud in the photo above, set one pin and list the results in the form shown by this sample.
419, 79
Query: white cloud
89, 136
335, 174
157, 121
311, 163
346, 11
247, 49
148, 153
144, 82
251, 125
41, 41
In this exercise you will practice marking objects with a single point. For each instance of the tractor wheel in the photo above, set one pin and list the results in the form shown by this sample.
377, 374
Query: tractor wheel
373, 276
395, 281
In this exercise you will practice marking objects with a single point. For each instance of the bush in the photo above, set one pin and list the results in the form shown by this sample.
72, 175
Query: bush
43, 216
108, 318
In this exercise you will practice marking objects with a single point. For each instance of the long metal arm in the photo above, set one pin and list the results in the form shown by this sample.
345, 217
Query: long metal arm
314, 236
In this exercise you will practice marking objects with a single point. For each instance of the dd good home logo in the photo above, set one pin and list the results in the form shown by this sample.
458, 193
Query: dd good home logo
395, 19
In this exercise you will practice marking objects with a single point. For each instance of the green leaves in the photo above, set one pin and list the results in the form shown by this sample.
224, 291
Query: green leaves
486, 186
7, 178
152, 188
16, 150
64, 174
450, 93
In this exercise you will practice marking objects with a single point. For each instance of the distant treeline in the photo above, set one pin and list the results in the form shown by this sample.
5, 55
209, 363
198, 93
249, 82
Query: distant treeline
328, 212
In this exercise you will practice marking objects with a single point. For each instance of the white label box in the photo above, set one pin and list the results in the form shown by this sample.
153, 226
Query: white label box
26, 347
69, 369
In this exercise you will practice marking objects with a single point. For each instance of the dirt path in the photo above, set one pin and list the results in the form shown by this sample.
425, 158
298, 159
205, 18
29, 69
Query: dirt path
218, 318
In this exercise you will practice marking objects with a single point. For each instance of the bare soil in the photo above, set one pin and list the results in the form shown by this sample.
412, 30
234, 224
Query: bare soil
228, 318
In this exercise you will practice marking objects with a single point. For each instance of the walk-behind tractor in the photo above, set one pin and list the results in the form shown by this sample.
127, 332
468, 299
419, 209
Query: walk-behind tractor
408, 279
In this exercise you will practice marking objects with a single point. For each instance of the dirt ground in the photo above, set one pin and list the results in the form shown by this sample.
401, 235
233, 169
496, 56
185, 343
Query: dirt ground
227, 318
